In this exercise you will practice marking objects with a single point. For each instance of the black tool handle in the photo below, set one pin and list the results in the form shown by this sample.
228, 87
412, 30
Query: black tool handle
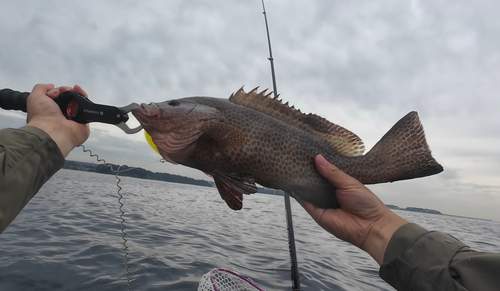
13, 100
80, 109
73, 106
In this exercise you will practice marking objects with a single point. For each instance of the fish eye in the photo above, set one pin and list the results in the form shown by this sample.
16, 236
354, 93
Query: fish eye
173, 102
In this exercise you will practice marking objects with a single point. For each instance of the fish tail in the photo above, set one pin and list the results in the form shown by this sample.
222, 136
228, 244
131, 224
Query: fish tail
402, 153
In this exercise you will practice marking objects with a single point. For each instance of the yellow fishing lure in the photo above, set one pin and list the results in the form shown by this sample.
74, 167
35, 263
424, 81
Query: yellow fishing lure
149, 139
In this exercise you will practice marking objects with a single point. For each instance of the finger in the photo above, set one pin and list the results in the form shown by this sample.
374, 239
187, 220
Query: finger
54, 93
41, 89
308, 206
63, 89
314, 211
329, 219
333, 174
79, 90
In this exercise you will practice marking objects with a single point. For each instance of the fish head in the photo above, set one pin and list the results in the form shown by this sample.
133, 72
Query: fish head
175, 125
174, 115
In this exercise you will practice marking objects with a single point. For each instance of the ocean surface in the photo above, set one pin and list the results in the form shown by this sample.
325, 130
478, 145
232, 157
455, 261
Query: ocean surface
69, 237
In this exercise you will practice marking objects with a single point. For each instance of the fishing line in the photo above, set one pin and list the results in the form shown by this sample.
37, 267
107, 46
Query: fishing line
122, 213
122, 223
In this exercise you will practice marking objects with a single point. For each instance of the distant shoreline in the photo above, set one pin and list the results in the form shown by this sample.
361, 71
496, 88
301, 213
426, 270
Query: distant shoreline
140, 173
415, 209
431, 211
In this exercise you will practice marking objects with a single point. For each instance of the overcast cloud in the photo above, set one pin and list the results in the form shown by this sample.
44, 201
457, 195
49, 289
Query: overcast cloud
360, 64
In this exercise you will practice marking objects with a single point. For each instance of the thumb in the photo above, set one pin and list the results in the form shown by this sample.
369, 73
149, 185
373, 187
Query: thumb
333, 174
42, 89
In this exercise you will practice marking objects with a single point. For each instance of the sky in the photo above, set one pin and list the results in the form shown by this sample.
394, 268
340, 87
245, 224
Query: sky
360, 64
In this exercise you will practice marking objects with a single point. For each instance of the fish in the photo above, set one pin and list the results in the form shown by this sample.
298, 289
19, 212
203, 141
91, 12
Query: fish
254, 138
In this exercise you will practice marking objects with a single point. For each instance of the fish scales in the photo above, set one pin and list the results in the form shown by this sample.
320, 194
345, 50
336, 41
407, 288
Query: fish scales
243, 144
276, 154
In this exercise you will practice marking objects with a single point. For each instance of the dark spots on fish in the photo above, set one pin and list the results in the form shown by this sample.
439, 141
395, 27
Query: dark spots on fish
280, 154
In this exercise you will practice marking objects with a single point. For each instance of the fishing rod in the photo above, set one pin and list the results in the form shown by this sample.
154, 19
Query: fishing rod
291, 236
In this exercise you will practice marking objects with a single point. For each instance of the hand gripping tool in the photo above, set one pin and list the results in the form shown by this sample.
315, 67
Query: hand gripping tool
76, 107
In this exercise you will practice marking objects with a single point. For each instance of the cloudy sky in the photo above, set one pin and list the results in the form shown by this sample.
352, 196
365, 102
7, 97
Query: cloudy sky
360, 64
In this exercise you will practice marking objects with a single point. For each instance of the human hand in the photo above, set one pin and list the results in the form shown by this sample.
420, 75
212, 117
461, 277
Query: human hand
45, 114
363, 220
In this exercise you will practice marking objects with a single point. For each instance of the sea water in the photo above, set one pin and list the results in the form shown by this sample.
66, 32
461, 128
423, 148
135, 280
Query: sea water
69, 237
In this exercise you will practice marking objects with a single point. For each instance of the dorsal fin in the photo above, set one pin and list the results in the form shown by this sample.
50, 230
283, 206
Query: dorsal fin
339, 138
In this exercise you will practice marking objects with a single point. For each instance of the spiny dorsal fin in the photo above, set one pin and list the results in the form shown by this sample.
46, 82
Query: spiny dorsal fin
339, 138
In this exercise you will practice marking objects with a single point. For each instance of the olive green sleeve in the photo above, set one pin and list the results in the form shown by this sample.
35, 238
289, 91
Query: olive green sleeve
417, 259
28, 158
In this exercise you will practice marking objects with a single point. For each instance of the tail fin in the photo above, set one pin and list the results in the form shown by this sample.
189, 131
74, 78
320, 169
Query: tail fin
402, 153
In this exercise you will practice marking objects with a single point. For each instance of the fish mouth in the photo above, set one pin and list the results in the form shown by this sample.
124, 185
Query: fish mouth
145, 112
150, 109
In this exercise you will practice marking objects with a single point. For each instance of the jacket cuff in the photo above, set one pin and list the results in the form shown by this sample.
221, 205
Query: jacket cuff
46, 148
417, 258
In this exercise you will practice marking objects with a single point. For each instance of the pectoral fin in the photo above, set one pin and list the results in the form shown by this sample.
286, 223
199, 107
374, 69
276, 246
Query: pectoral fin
232, 187
225, 134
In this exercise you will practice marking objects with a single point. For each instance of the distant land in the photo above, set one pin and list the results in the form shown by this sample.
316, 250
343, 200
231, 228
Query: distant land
431, 211
141, 173
414, 209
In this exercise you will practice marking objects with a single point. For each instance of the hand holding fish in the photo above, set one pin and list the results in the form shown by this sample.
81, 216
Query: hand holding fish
363, 220
45, 114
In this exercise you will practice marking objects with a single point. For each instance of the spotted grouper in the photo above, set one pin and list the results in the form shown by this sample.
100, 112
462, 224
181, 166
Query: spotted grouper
254, 138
